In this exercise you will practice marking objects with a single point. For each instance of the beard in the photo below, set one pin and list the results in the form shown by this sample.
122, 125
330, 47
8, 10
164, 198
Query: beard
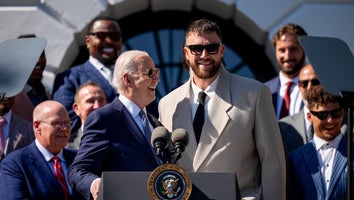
293, 70
205, 73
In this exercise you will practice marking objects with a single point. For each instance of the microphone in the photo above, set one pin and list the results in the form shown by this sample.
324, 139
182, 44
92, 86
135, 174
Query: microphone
160, 138
180, 139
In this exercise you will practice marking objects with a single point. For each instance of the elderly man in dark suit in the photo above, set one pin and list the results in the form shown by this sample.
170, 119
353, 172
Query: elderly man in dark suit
318, 170
39, 170
115, 136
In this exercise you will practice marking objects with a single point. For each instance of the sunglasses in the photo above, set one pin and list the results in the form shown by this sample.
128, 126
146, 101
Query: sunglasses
304, 83
322, 115
198, 48
151, 73
115, 36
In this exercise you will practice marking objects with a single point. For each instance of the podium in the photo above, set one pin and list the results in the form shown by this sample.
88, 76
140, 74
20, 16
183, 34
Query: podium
133, 185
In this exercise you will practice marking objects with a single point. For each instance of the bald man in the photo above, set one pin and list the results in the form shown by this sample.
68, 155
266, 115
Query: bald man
33, 171
295, 129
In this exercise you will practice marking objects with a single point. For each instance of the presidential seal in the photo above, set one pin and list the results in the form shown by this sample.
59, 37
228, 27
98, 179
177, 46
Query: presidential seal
169, 182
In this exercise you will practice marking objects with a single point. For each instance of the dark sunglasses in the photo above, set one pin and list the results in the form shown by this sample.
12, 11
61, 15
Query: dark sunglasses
151, 73
198, 48
322, 115
304, 83
115, 36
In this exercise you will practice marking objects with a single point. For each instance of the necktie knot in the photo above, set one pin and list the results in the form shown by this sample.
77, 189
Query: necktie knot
2, 122
2, 135
201, 97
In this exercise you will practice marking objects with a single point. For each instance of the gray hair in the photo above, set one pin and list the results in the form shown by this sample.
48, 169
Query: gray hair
127, 63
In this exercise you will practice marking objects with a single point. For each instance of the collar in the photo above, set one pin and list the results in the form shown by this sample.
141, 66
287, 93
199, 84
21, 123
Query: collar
284, 80
7, 117
210, 90
97, 64
132, 108
48, 155
320, 143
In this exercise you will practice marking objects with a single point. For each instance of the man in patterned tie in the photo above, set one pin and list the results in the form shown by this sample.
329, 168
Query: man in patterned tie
38, 171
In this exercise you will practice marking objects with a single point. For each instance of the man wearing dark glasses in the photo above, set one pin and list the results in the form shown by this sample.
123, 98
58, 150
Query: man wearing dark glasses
230, 119
296, 129
317, 170
104, 43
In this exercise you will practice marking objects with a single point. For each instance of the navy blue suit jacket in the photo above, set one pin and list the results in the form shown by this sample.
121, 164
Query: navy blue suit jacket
305, 180
111, 141
67, 82
25, 174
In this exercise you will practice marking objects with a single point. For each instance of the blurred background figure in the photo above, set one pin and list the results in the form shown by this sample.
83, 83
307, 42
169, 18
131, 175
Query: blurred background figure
34, 88
291, 58
15, 132
88, 97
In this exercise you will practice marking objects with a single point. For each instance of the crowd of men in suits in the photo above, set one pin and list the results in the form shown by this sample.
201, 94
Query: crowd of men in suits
103, 111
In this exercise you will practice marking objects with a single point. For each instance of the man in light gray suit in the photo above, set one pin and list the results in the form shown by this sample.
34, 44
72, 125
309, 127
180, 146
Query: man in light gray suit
296, 130
238, 128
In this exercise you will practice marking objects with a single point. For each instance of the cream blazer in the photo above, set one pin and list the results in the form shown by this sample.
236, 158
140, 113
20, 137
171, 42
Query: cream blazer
240, 135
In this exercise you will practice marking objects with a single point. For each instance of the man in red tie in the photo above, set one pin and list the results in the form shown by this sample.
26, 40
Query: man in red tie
291, 58
39, 170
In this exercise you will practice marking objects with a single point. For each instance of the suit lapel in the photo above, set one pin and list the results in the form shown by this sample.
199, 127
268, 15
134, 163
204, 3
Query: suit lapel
40, 165
216, 121
133, 128
310, 156
339, 165
97, 77
182, 117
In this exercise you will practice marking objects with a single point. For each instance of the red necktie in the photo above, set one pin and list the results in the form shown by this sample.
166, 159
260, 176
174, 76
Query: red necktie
2, 135
286, 101
59, 174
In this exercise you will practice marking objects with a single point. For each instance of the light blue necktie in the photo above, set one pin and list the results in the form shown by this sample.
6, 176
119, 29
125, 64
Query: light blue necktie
147, 133
146, 127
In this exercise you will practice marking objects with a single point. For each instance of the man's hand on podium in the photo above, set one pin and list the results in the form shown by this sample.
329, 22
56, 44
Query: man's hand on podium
95, 186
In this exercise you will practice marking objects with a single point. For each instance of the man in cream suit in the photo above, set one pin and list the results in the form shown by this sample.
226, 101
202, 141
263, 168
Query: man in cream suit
240, 132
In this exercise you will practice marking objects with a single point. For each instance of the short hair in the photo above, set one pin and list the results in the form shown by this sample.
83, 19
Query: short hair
289, 28
318, 96
99, 18
203, 26
88, 83
28, 35
127, 62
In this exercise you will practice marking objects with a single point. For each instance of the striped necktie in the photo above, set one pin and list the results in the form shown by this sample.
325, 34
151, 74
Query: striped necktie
59, 174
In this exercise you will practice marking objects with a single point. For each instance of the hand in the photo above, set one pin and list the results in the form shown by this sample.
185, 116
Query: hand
95, 188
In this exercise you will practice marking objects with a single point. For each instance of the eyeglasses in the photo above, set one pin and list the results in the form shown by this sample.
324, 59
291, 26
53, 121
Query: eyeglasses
58, 124
151, 73
322, 115
115, 36
304, 83
198, 48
